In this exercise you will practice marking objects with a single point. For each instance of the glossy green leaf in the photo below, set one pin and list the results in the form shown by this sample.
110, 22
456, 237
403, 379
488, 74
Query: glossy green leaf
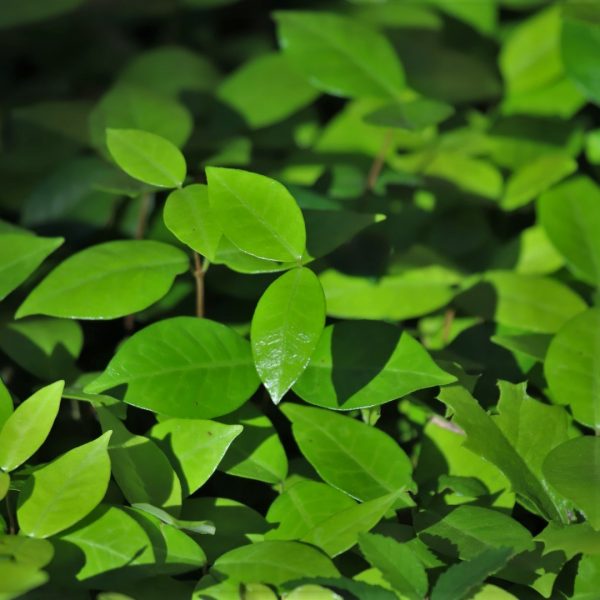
527, 302
570, 215
208, 365
139, 467
354, 457
257, 214
274, 562
20, 256
202, 527
487, 440
399, 565
147, 157
573, 469
266, 90
107, 281
66, 490
570, 367
195, 447
366, 363
257, 453
339, 55
303, 506
286, 327
188, 216
28, 426
341, 531
460, 580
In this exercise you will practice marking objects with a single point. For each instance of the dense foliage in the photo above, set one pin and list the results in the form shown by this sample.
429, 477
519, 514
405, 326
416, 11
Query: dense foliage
298, 299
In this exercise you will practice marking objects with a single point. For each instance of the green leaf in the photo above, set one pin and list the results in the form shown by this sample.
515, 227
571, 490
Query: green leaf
202, 527
257, 453
107, 281
16, 579
147, 157
208, 365
534, 178
413, 115
4, 484
139, 467
266, 90
487, 440
274, 562
188, 216
527, 302
303, 506
15, 13
573, 469
349, 455
257, 214
286, 327
341, 531
366, 363
28, 426
571, 367
570, 215
397, 562
25, 550
43, 346
64, 491
194, 447
461, 580
20, 256
6, 404
339, 55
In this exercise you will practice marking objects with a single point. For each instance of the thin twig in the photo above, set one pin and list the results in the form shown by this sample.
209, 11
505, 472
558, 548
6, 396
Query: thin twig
448, 321
379, 160
445, 424
199, 272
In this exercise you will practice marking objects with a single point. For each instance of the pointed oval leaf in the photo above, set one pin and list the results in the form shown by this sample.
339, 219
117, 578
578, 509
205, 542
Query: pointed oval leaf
340, 55
354, 457
107, 281
257, 214
183, 367
286, 327
20, 256
147, 157
571, 367
63, 492
29, 425
274, 562
188, 216
573, 469
195, 447
366, 363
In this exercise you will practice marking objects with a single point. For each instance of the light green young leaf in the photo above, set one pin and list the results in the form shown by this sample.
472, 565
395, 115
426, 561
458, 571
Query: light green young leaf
570, 215
107, 281
139, 467
274, 562
147, 157
573, 469
339, 55
303, 506
366, 363
195, 448
266, 90
203, 527
63, 492
341, 531
20, 256
571, 367
257, 214
286, 327
487, 440
257, 453
26, 550
354, 457
398, 564
16, 579
188, 216
28, 426
183, 367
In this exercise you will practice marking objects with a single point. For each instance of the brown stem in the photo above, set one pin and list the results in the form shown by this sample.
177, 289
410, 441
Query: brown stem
448, 321
379, 160
199, 271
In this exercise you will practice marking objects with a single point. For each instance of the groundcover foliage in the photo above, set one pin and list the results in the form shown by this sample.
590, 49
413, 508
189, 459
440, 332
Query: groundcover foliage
298, 299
